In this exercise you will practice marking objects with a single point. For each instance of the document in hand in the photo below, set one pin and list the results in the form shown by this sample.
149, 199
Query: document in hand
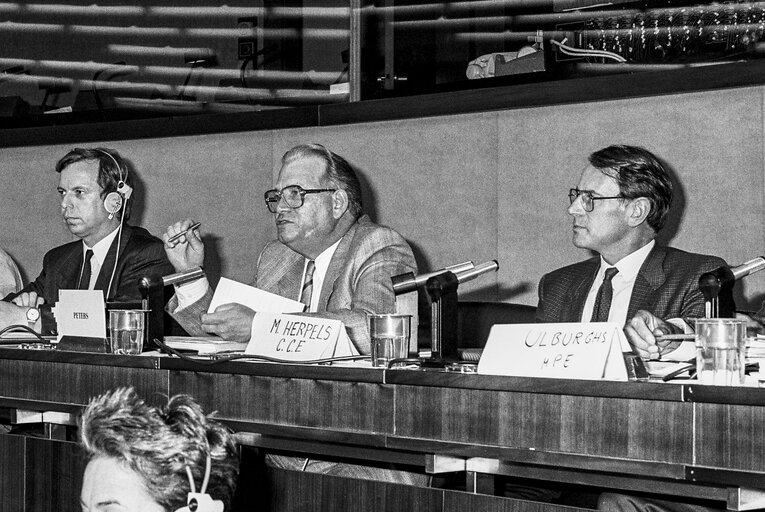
229, 291
563, 350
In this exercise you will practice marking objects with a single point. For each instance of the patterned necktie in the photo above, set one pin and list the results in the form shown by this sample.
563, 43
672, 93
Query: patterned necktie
84, 283
605, 294
305, 295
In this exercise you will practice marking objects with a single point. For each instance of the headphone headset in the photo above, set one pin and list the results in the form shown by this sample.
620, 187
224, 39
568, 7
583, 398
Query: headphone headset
200, 501
115, 200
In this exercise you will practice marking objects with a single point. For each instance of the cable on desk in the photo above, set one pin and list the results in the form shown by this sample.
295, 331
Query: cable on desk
19, 327
233, 357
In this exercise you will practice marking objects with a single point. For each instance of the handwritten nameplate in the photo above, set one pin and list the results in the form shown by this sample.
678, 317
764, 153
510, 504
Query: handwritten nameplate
562, 351
80, 313
298, 338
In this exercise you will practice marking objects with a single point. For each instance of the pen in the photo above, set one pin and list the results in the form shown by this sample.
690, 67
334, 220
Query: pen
179, 235
676, 337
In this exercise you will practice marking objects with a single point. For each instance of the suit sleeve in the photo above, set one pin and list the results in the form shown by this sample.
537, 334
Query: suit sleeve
189, 317
694, 305
540, 313
47, 322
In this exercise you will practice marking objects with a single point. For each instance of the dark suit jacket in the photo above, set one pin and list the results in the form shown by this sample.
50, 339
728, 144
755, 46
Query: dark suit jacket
141, 254
667, 285
358, 279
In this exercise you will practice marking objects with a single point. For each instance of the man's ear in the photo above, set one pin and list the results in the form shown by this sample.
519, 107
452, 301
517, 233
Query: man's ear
339, 203
639, 210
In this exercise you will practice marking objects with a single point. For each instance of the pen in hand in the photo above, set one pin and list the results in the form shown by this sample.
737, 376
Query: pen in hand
177, 236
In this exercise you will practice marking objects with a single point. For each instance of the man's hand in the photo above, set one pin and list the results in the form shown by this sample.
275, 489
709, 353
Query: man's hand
11, 314
231, 322
185, 252
642, 331
28, 300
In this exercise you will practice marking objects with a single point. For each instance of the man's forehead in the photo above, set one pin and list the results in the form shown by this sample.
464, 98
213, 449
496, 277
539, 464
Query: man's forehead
82, 173
598, 180
306, 169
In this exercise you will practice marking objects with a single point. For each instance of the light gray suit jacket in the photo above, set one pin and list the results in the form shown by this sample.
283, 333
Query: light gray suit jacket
357, 282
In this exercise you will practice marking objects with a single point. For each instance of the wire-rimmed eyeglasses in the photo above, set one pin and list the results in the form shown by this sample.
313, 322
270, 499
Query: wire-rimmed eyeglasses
587, 198
293, 195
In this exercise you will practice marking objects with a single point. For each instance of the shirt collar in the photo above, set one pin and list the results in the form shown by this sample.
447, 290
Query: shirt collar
101, 248
629, 266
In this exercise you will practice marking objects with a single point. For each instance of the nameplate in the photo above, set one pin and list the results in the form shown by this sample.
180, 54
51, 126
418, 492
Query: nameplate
563, 351
80, 313
298, 338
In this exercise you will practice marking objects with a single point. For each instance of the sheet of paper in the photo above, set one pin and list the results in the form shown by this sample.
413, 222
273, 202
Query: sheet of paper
80, 313
561, 350
229, 291
204, 344
298, 338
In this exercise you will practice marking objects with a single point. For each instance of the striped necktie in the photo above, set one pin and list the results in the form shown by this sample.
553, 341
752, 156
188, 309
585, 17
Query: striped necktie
305, 295
84, 283
603, 299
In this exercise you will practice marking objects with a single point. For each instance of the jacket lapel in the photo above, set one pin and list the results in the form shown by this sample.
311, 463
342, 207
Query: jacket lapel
284, 275
105, 274
650, 277
337, 265
70, 268
581, 287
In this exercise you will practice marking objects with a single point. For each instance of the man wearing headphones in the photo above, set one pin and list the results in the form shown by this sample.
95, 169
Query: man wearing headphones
95, 189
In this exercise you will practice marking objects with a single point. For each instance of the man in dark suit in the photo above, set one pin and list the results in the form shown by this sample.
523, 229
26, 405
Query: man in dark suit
618, 208
320, 224
95, 189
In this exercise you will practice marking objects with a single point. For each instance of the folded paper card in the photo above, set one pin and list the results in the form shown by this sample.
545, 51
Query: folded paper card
229, 291
298, 338
563, 350
80, 313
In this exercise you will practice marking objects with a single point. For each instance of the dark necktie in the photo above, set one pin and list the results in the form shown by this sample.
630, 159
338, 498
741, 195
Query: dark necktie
84, 283
605, 294
305, 295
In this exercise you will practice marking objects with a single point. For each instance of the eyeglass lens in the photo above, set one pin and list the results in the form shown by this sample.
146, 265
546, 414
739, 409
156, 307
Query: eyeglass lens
587, 202
292, 195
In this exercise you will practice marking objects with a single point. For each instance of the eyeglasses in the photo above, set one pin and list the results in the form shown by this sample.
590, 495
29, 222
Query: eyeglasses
293, 195
587, 198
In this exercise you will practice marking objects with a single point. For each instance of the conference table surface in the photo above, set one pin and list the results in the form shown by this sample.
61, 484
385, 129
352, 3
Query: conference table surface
685, 439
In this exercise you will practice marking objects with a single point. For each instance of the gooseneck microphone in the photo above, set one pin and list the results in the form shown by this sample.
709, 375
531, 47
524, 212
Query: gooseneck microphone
478, 270
710, 283
407, 282
150, 283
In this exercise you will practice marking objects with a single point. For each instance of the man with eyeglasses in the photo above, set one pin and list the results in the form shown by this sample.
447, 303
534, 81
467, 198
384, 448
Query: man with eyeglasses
618, 208
329, 254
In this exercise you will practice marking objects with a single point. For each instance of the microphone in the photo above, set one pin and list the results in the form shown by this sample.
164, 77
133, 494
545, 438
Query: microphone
154, 282
750, 267
710, 283
407, 282
483, 268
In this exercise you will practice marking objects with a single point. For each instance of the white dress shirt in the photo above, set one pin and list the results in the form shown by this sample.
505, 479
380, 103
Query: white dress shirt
319, 273
622, 284
100, 249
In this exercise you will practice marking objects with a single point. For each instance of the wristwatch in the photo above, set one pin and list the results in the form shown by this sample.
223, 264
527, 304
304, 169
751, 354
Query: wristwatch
33, 314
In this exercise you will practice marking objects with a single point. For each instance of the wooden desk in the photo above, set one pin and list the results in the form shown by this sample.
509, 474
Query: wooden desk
685, 440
